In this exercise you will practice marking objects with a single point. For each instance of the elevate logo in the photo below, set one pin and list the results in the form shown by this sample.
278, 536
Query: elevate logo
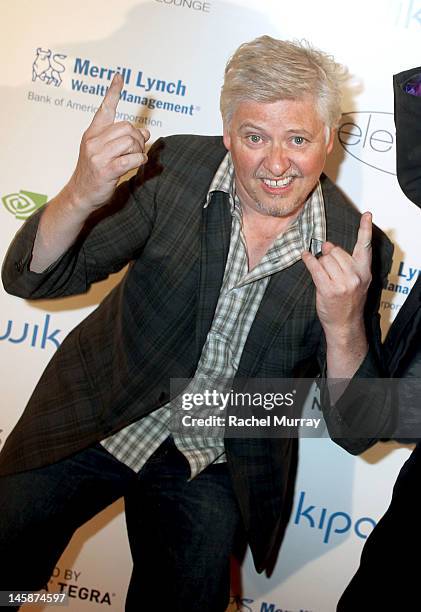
369, 136
23, 203
47, 67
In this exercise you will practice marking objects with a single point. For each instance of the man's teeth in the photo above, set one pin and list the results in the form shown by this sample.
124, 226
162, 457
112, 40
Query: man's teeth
279, 182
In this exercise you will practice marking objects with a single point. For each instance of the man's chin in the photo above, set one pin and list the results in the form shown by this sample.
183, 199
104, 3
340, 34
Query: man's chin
281, 210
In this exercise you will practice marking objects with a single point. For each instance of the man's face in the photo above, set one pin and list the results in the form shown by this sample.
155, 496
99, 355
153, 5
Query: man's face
278, 150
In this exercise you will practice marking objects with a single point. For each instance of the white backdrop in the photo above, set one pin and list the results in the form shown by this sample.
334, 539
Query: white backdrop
51, 80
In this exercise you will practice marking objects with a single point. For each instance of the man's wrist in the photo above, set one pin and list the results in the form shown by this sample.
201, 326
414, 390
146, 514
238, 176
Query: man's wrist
76, 205
345, 351
345, 336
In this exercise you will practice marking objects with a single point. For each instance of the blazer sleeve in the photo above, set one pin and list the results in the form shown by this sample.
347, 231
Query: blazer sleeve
363, 414
111, 238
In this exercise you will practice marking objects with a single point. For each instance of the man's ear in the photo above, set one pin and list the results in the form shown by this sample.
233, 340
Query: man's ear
331, 140
227, 137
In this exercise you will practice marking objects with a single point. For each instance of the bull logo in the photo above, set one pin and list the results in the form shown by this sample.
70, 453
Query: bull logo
47, 68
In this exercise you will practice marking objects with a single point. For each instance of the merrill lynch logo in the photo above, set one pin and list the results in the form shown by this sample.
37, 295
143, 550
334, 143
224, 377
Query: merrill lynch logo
369, 136
24, 203
47, 67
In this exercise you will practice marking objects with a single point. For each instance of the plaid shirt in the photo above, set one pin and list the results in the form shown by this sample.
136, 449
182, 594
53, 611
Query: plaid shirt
239, 299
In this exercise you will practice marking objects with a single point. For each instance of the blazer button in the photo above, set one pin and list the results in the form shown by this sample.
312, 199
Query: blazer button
19, 266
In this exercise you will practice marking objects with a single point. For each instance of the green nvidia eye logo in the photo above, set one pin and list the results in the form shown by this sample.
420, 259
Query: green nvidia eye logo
24, 203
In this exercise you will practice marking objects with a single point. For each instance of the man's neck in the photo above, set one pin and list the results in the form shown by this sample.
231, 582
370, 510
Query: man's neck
260, 232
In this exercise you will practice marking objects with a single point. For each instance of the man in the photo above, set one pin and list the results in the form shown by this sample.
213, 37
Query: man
223, 281
387, 578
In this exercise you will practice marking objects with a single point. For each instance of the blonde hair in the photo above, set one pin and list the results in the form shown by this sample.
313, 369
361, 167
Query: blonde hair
268, 70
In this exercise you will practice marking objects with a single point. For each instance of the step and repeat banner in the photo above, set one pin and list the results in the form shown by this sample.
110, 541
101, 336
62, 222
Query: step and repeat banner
57, 60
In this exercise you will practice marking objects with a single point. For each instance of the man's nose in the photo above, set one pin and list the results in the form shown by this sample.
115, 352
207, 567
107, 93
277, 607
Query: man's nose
277, 161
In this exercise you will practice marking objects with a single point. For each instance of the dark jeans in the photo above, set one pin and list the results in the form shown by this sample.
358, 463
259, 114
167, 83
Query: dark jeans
389, 575
181, 532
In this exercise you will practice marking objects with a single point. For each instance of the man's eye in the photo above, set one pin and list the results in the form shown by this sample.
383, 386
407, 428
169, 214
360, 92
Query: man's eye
255, 138
298, 140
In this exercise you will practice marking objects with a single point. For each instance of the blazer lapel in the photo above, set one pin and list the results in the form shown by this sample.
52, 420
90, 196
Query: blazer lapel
215, 240
284, 290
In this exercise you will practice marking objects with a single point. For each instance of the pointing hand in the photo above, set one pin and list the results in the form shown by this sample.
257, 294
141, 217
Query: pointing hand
108, 150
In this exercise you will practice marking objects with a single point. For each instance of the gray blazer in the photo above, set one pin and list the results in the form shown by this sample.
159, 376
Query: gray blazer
116, 365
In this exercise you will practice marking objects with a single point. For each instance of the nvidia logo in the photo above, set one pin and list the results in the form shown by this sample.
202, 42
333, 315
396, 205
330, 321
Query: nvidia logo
24, 203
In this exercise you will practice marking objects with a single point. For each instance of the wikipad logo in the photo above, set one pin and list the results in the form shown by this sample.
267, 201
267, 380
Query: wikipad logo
47, 67
24, 203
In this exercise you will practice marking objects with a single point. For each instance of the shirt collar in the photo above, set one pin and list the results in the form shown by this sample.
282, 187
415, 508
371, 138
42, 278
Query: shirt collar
223, 180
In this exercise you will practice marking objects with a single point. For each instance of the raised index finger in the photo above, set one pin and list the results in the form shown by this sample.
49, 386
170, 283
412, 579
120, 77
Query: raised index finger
362, 248
105, 115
